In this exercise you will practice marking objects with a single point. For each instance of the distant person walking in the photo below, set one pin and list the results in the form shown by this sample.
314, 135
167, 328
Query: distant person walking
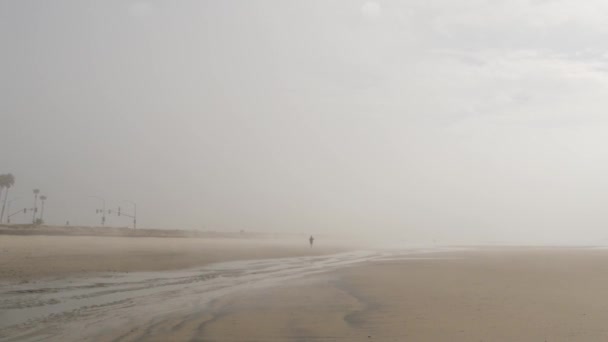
312, 240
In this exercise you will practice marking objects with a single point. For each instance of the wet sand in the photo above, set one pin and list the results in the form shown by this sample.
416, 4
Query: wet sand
147, 305
498, 294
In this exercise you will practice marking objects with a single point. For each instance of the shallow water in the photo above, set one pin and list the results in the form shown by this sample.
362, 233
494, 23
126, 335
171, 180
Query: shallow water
77, 308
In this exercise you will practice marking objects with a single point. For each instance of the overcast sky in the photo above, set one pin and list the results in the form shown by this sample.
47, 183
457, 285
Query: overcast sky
446, 119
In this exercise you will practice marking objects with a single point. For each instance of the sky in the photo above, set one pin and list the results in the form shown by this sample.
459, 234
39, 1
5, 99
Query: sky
453, 121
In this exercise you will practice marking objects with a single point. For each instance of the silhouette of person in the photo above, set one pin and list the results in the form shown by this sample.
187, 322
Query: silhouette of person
311, 239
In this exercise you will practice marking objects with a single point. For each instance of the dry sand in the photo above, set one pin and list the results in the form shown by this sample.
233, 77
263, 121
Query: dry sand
507, 295
26, 258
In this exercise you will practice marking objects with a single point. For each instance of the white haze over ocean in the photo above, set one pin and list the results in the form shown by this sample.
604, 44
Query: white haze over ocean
447, 120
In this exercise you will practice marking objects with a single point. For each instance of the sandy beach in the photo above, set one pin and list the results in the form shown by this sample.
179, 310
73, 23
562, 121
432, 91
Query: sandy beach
494, 295
303, 171
27, 258
450, 294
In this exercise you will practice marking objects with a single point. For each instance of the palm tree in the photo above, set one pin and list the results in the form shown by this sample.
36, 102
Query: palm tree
42, 199
6, 181
36, 192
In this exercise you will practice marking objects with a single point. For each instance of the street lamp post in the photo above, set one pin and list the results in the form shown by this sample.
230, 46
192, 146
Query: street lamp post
24, 210
134, 213
103, 211
36, 192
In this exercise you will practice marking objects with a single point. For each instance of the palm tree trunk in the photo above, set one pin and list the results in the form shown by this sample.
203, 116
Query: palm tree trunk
3, 204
